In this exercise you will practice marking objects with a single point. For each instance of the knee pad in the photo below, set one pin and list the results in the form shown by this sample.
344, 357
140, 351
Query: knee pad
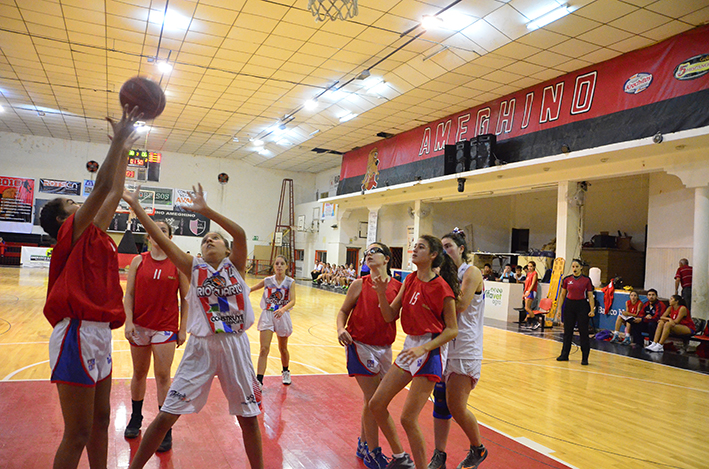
440, 406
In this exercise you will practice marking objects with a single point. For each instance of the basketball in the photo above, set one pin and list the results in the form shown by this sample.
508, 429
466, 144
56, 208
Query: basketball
144, 93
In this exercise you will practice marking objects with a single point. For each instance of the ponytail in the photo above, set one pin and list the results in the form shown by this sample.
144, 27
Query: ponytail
449, 271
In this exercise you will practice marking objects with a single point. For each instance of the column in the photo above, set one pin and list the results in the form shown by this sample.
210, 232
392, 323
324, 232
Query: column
569, 223
423, 221
700, 254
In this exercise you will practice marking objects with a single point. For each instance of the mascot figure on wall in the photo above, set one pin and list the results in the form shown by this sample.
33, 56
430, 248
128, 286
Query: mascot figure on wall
370, 177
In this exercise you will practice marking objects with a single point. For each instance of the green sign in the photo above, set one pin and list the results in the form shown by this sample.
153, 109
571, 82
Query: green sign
163, 197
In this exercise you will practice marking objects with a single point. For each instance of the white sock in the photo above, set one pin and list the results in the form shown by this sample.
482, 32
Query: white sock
397, 456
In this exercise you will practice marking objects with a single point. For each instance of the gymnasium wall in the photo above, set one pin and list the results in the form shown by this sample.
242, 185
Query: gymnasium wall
670, 231
250, 197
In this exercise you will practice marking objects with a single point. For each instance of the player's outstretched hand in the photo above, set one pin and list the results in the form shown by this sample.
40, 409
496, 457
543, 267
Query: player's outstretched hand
123, 129
379, 284
199, 204
132, 198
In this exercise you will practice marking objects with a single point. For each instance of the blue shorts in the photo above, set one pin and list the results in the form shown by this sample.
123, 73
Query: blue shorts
531, 295
80, 352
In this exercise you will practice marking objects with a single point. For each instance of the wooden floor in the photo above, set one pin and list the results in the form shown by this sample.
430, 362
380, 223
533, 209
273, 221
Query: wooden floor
618, 412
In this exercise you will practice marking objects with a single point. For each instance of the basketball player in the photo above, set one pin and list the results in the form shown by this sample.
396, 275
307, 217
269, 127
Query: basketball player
530, 293
220, 314
464, 360
277, 301
427, 306
152, 326
368, 337
85, 301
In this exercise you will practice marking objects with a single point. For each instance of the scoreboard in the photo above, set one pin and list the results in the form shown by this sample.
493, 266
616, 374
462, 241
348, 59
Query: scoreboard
144, 165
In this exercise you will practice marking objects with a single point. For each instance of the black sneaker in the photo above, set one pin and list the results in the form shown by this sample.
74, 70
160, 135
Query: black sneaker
403, 462
133, 428
474, 458
166, 444
438, 460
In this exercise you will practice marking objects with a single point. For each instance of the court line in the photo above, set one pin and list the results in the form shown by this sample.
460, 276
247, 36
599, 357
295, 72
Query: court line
8, 377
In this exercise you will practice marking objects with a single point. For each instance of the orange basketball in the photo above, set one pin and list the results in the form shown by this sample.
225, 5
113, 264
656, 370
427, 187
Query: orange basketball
144, 93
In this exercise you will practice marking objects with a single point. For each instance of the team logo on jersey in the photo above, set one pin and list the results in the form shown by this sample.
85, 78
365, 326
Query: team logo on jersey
277, 297
372, 175
179, 395
370, 363
91, 363
217, 286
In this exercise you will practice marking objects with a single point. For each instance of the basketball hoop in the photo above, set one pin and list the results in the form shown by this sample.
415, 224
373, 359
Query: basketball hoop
324, 10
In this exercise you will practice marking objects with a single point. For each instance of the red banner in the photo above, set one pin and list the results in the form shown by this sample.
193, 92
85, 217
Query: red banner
673, 68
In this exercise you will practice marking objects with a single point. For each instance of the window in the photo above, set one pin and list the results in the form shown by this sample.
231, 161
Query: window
396, 257
299, 254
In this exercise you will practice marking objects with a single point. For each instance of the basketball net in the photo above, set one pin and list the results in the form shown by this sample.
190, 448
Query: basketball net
324, 10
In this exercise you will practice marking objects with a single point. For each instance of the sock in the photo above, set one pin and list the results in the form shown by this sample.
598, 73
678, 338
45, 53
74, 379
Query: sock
285, 368
398, 456
615, 334
137, 410
259, 378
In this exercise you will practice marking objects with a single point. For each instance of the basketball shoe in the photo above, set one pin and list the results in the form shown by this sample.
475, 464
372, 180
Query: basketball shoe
376, 460
286, 378
362, 450
403, 462
438, 460
474, 458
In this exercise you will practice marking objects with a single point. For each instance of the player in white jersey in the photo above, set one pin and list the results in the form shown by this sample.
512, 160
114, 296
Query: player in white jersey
219, 315
464, 361
277, 301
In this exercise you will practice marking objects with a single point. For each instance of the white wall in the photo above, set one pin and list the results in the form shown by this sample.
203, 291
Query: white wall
250, 198
670, 231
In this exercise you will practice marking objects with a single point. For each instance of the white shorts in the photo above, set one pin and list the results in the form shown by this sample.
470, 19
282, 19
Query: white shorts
226, 355
142, 337
80, 352
283, 327
463, 367
430, 364
368, 360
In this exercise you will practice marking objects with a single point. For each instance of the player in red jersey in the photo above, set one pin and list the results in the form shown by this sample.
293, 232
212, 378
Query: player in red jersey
368, 337
220, 313
530, 293
152, 326
427, 307
84, 302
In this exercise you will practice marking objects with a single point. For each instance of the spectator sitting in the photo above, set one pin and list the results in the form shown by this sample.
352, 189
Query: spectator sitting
519, 274
315, 273
488, 274
633, 312
507, 275
675, 320
683, 280
652, 310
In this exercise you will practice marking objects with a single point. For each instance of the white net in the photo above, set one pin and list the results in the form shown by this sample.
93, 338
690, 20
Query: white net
324, 10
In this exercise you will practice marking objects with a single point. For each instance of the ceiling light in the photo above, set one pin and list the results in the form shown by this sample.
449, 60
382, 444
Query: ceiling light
283, 142
313, 132
550, 17
371, 82
263, 151
257, 142
172, 20
235, 139
164, 67
311, 104
431, 22
347, 117
2, 109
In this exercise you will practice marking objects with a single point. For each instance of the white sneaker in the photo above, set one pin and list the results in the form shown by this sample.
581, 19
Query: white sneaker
650, 346
286, 378
658, 347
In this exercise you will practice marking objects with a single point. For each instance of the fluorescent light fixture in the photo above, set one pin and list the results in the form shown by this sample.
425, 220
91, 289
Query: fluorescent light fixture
283, 142
164, 67
550, 17
432, 22
313, 132
172, 20
311, 104
371, 82
2, 109
257, 142
263, 152
347, 117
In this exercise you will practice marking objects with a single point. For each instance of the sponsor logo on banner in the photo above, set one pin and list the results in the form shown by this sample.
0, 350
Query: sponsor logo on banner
16, 196
54, 186
637, 83
692, 68
88, 187
198, 227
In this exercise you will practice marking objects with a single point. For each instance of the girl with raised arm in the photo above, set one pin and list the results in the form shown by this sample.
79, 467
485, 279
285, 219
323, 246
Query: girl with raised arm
220, 314
84, 302
427, 307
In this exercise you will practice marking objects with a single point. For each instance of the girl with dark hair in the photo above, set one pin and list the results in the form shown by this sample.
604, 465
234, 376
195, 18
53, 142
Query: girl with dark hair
155, 324
220, 314
578, 305
276, 303
464, 361
361, 328
675, 320
85, 301
530, 293
427, 307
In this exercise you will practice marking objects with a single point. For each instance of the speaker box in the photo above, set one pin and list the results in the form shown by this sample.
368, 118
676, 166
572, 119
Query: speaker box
482, 151
457, 158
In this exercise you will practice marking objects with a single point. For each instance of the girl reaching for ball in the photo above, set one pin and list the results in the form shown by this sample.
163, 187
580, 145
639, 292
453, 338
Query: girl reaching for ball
276, 303
220, 313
